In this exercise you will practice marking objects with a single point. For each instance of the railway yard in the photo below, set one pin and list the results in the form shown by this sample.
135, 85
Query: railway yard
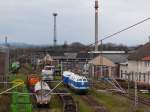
100, 98
73, 73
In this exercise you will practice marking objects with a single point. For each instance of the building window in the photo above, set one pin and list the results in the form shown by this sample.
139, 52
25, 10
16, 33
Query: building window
147, 63
144, 78
139, 76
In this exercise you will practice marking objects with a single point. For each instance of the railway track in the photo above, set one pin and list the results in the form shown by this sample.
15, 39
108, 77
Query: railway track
101, 85
93, 104
69, 105
141, 99
41, 110
37, 108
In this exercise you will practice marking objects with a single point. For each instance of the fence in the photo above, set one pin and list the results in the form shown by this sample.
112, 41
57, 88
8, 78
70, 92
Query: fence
138, 76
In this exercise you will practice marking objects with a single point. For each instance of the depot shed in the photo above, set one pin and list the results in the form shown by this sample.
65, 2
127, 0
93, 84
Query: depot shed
101, 66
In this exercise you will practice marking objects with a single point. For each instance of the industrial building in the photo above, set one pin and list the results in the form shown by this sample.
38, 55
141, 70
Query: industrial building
138, 65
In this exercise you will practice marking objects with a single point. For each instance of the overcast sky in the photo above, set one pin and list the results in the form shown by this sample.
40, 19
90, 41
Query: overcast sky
31, 21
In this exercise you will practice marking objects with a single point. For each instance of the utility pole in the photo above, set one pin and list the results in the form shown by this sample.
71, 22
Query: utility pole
135, 86
136, 94
55, 39
101, 59
96, 25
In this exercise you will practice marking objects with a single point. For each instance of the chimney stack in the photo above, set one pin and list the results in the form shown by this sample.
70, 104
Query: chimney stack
96, 25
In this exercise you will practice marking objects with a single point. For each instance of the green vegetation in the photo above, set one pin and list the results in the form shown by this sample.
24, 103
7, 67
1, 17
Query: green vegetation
115, 103
82, 106
26, 69
17, 76
55, 104
57, 77
147, 95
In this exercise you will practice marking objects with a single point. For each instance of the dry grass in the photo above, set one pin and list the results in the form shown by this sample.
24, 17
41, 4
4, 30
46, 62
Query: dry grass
5, 103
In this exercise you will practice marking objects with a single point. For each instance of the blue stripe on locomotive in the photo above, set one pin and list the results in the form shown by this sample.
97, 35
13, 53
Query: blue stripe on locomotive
78, 85
66, 78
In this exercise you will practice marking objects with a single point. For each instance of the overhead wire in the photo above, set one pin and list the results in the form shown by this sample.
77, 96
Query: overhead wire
120, 31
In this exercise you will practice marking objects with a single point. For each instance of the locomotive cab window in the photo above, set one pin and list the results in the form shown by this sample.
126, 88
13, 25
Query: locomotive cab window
84, 79
80, 79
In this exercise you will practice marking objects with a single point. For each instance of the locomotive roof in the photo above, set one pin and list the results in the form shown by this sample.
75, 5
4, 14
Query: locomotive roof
49, 66
73, 76
67, 73
76, 77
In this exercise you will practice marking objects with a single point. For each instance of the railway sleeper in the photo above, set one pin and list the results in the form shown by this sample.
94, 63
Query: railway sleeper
69, 108
100, 109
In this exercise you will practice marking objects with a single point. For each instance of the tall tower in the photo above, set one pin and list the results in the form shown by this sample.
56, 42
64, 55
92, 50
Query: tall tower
55, 39
96, 25
6, 43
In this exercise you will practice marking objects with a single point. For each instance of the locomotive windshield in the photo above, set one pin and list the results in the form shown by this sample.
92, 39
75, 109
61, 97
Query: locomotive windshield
80, 80
84, 79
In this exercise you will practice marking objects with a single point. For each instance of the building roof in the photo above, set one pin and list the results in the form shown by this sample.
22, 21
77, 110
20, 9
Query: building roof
87, 55
141, 52
57, 53
48, 58
3, 49
70, 55
99, 60
108, 52
83, 55
117, 58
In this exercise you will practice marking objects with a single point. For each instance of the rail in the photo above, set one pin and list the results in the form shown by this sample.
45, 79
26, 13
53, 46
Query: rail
93, 104
69, 105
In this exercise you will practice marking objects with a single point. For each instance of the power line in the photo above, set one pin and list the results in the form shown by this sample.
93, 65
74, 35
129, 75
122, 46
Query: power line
124, 29
120, 31
127, 28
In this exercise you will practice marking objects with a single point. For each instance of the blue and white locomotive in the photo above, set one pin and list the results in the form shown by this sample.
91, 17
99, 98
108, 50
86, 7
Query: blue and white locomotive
78, 83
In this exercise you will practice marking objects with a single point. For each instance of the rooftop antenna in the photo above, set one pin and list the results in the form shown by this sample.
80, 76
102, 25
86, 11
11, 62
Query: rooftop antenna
96, 25
55, 40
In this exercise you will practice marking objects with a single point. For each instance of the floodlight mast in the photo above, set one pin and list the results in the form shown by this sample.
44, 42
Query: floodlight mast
55, 32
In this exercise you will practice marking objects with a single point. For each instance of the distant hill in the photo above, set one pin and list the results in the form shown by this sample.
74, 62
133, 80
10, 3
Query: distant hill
19, 45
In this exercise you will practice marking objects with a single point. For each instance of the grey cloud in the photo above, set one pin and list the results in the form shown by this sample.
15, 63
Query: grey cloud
31, 21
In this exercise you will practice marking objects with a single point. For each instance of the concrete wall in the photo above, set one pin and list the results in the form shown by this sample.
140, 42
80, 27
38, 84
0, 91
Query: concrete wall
136, 70
138, 66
